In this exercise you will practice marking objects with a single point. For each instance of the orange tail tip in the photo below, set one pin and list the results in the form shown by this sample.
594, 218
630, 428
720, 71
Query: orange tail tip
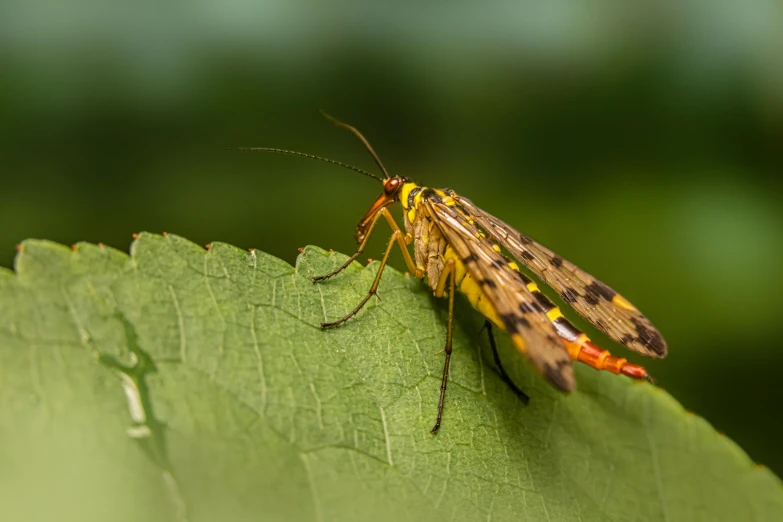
599, 359
635, 371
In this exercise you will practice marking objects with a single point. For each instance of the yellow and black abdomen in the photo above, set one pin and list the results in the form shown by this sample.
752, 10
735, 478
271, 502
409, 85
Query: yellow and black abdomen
466, 284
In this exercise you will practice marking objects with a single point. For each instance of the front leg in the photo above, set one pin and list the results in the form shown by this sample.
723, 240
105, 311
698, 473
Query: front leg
402, 239
374, 288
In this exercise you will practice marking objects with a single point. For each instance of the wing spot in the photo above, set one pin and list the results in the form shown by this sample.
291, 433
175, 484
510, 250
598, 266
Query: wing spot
649, 338
569, 295
596, 291
489, 283
556, 374
514, 321
627, 339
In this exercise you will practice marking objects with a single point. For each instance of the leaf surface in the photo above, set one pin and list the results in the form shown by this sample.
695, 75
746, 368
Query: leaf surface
184, 384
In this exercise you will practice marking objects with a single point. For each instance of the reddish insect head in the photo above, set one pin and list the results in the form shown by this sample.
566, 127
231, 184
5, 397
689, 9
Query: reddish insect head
390, 189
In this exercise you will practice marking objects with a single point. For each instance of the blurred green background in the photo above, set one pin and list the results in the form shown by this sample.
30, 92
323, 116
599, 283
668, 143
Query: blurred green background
643, 143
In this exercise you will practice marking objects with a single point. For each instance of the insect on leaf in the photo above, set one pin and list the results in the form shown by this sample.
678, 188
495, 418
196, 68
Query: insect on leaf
181, 384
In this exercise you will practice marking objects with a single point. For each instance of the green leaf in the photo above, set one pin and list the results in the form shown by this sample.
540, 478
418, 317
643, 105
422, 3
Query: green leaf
184, 384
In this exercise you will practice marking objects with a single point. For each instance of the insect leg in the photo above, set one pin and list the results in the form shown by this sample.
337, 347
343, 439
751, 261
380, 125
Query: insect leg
395, 237
446, 276
522, 395
402, 239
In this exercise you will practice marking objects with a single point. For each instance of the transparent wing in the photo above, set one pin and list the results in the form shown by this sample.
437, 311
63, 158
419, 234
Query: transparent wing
603, 307
531, 332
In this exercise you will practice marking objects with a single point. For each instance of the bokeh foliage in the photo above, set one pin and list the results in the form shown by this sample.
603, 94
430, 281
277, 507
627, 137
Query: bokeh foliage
643, 143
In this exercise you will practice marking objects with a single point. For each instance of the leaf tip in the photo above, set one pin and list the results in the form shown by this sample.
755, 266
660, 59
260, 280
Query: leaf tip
75, 247
135, 235
19, 248
208, 246
300, 249
251, 250
101, 246
165, 234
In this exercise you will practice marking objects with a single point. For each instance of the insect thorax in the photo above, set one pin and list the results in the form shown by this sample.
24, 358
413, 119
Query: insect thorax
429, 245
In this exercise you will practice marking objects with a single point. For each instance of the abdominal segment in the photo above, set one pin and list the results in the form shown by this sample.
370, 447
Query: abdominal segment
576, 342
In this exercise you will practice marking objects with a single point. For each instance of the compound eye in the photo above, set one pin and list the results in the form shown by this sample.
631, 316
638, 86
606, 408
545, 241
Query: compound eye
391, 186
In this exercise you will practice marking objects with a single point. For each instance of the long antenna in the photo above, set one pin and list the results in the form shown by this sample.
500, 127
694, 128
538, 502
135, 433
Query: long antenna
361, 137
311, 156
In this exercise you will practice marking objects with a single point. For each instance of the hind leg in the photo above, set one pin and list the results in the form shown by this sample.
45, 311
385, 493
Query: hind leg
522, 396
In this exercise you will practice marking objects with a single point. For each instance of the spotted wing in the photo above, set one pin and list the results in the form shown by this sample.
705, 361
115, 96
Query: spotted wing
603, 307
531, 332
